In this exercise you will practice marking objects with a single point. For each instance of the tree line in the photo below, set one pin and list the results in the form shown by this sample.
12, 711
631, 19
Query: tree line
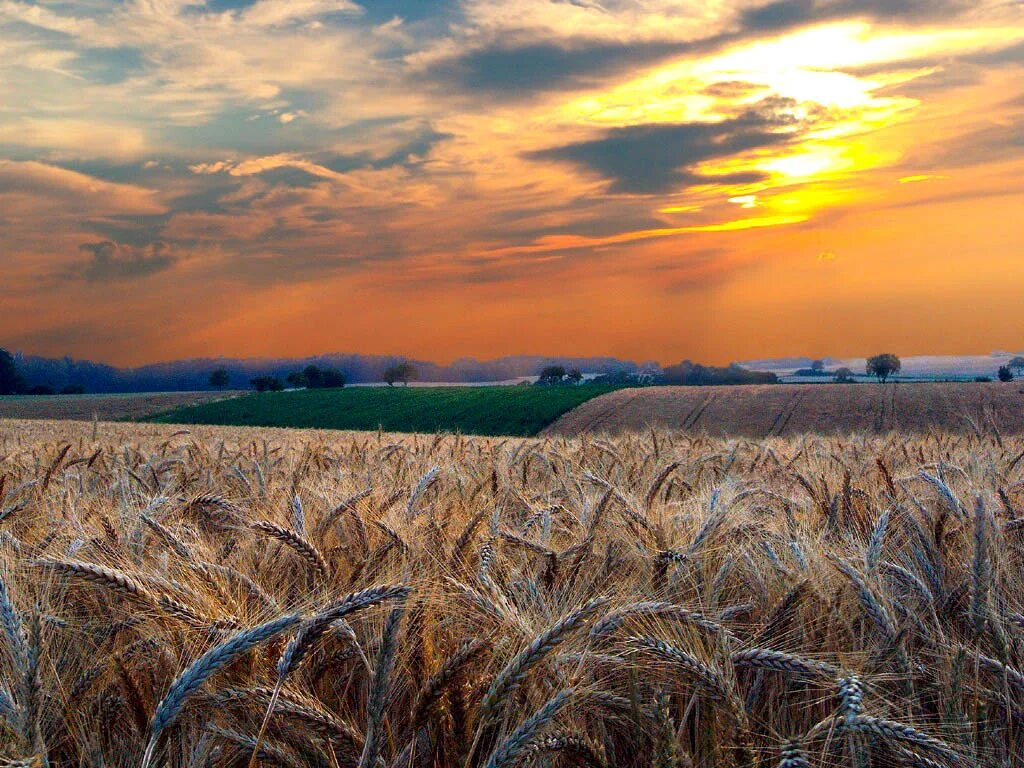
883, 367
316, 377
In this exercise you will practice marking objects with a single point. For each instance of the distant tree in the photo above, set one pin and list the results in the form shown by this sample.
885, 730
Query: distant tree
403, 372
267, 384
552, 374
314, 377
11, 382
818, 366
73, 389
331, 378
1016, 363
691, 374
1005, 373
219, 378
574, 376
883, 366
406, 373
40, 389
296, 380
844, 376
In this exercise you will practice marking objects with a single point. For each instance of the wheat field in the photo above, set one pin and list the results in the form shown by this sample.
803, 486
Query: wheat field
233, 597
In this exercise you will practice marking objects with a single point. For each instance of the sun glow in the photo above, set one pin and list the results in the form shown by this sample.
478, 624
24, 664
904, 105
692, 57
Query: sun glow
812, 163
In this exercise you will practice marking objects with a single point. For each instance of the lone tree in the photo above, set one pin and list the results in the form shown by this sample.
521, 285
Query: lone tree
844, 376
11, 382
403, 372
551, 374
818, 366
219, 378
574, 376
883, 366
1005, 373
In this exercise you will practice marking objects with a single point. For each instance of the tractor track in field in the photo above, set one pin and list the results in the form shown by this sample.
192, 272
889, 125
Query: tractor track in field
885, 416
782, 419
694, 416
605, 413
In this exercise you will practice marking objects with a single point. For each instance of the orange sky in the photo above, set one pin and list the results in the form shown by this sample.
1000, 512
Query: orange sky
662, 180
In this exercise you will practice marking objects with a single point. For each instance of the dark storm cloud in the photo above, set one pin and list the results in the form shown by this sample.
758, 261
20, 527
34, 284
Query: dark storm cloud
786, 14
110, 261
651, 159
510, 69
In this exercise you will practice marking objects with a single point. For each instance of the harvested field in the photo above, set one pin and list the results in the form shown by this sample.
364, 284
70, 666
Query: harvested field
793, 409
103, 407
199, 598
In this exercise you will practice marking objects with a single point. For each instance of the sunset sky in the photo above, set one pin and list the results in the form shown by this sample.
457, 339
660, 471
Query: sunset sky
652, 179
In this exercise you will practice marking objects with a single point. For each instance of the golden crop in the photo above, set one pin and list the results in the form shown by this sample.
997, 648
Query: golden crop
222, 596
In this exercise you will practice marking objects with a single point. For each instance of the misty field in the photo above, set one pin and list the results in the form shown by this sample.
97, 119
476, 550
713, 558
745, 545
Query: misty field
484, 410
203, 597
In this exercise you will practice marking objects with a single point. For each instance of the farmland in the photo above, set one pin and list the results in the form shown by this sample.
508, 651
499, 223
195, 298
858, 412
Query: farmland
104, 407
194, 597
491, 410
793, 409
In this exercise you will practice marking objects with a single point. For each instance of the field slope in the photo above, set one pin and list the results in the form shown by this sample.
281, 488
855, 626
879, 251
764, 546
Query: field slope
493, 410
133, 405
789, 409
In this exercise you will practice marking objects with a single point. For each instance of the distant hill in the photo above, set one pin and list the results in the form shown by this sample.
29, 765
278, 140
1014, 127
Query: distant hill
193, 375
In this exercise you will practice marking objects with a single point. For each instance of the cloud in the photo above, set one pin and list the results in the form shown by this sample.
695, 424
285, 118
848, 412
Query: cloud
268, 13
786, 14
69, 136
110, 262
510, 69
990, 143
261, 165
51, 187
657, 158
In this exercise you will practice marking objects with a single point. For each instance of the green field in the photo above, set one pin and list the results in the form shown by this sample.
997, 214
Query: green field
490, 410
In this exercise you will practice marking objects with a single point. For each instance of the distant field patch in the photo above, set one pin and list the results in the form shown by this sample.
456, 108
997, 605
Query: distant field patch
792, 409
494, 410
136, 405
